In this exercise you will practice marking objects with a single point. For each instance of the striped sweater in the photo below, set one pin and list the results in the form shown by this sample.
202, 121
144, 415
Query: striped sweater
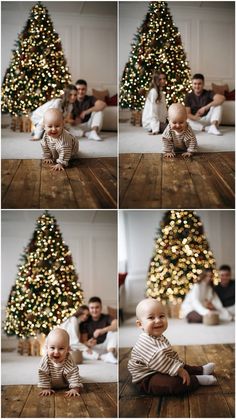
151, 355
60, 149
63, 375
185, 141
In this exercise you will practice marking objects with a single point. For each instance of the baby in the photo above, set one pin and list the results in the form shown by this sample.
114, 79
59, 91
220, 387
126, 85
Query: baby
178, 135
57, 369
155, 367
58, 144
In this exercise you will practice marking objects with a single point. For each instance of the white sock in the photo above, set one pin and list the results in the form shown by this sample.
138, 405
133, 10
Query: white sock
206, 380
208, 368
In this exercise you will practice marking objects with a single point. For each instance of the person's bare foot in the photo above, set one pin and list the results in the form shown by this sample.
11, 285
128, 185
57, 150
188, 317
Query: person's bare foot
34, 139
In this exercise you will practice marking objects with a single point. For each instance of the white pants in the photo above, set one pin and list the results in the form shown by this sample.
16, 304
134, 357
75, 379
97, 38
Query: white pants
109, 343
231, 310
96, 120
214, 114
39, 130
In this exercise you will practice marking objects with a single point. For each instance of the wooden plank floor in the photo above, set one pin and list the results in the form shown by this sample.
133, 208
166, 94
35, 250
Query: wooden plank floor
96, 401
150, 181
87, 183
206, 402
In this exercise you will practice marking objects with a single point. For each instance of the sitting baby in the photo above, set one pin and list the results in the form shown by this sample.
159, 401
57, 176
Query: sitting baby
155, 367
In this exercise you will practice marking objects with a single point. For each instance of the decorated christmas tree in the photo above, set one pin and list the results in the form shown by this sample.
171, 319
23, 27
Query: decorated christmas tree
47, 290
38, 70
181, 253
156, 46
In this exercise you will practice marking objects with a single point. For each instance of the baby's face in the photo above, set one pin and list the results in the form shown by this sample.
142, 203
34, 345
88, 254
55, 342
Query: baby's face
178, 123
53, 126
152, 318
57, 348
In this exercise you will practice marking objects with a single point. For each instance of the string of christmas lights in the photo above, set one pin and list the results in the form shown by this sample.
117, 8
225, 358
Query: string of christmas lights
38, 70
156, 46
181, 253
47, 290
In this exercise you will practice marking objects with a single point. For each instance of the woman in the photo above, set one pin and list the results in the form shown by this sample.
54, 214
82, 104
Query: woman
71, 325
202, 299
155, 110
64, 103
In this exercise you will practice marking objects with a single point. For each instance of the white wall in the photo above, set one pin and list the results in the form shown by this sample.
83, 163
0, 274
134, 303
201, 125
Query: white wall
89, 41
141, 229
207, 32
93, 246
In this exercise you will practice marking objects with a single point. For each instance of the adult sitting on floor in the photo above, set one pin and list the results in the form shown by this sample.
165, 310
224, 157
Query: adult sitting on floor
226, 289
87, 112
99, 332
204, 107
202, 300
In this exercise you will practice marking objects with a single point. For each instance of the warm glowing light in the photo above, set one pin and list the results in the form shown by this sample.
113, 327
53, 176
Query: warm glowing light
181, 253
47, 289
38, 70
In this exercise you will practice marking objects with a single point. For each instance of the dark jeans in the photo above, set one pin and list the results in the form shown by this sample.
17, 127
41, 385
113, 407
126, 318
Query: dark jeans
165, 385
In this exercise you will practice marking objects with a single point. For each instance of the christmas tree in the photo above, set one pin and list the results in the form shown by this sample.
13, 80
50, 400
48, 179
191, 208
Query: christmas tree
38, 70
181, 254
47, 289
156, 46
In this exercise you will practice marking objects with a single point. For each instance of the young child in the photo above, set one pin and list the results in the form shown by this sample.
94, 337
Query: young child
57, 369
155, 111
178, 135
155, 367
58, 144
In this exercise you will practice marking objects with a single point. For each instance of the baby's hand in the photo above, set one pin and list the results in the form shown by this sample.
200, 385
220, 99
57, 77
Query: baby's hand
48, 161
73, 392
46, 392
58, 167
184, 375
186, 155
169, 155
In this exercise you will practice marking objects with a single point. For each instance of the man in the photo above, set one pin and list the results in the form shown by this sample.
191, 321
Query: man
204, 108
88, 112
99, 331
226, 289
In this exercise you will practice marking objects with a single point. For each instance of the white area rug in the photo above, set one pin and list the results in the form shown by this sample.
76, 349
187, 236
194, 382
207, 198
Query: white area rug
137, 140
16, 145
17, 369
180, 332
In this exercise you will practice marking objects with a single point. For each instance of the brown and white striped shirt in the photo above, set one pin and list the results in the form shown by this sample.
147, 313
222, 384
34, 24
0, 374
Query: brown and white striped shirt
150, 355
62, 375
60, 149
185, 141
